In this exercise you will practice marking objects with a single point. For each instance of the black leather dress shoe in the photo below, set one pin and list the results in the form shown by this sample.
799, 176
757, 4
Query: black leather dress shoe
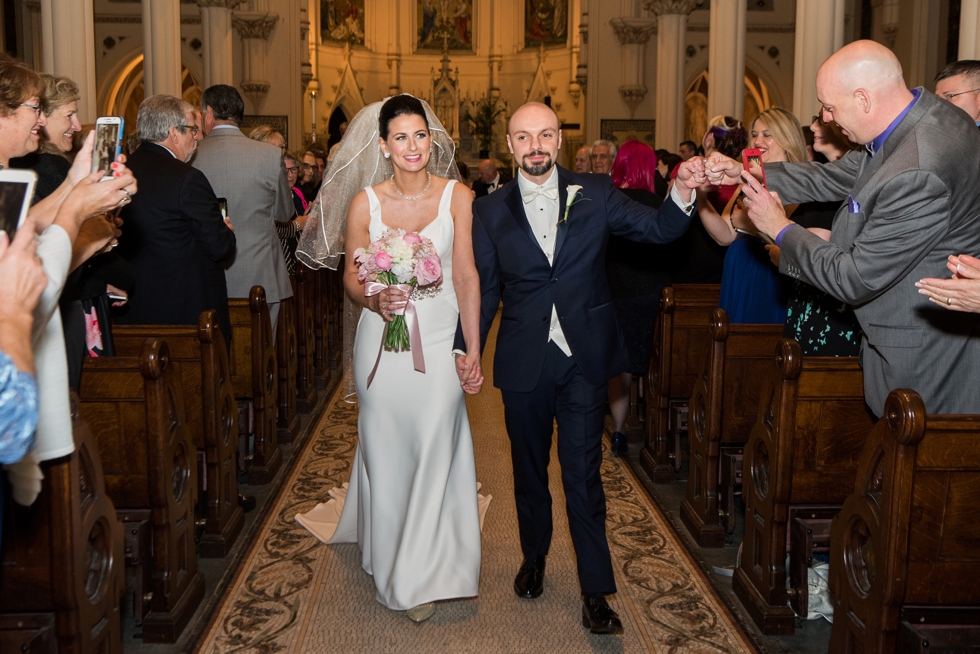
598, 617
530, 579
247, 502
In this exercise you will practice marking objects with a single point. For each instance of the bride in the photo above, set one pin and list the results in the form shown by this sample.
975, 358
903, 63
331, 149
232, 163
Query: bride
411, 505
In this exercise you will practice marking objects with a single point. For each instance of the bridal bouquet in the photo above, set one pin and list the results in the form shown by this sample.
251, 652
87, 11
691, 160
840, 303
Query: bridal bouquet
399, 259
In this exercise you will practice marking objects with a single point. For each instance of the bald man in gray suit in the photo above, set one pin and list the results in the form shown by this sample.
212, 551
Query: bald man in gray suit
252, 177
912, 201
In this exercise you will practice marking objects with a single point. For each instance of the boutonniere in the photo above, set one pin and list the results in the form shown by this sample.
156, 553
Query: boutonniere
573, 197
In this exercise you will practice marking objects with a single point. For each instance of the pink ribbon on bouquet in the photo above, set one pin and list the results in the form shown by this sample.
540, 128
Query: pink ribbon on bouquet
411, 321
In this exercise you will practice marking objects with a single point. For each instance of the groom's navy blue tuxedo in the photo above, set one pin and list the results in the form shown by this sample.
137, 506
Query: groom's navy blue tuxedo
539, 383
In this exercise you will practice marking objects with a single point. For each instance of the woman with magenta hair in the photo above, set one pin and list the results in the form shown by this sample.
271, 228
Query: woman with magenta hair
636, 274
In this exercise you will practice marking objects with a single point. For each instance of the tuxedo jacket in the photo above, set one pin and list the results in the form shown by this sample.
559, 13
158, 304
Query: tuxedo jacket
918, 202
176, 242
513, 267
481, 188
252, 177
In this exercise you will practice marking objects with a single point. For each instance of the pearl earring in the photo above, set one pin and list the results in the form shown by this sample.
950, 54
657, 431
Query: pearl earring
387, 155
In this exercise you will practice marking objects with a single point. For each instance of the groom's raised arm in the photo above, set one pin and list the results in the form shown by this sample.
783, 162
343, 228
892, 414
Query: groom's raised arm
485, 254
637, 222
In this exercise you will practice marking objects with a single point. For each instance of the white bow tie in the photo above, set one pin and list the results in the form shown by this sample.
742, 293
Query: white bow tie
550, 191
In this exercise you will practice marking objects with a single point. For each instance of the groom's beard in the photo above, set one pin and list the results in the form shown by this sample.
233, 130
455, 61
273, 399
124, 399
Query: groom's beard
540, 169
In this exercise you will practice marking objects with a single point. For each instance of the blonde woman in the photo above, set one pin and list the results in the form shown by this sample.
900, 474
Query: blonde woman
752, 290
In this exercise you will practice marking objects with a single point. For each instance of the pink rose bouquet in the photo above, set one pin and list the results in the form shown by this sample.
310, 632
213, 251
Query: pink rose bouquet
398, 258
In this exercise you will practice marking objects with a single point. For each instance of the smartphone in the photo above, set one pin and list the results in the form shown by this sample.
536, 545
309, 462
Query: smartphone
108, 144
752, 162
223, 206
114, 296
16, 193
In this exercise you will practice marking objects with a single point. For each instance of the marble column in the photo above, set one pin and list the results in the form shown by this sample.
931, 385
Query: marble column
671, 43
255, 30
218, 53
68, 48
161, 48
633, 34
969, 47
726, 59
819, 33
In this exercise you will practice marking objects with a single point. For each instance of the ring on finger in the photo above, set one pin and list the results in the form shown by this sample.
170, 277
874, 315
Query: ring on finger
949, 301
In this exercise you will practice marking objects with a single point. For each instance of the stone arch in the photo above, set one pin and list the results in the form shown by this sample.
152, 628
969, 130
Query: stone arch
122, 91
759, 95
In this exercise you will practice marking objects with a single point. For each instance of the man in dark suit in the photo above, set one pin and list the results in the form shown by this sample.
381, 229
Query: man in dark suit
913, 201
489, 178
176, 240
542, 239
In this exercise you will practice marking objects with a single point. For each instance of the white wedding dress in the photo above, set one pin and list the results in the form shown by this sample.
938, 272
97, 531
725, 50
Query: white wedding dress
411, 504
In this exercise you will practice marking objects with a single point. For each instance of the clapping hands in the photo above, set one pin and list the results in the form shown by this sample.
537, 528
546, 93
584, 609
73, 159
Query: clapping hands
470, 372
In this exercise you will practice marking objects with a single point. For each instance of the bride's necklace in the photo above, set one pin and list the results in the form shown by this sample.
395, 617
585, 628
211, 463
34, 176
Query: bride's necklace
413, 198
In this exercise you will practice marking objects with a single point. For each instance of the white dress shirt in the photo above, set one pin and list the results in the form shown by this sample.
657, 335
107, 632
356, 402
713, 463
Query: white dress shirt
542, 214
494, 185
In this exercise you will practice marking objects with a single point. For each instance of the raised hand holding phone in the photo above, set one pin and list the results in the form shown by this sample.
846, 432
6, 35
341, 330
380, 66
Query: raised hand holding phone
16, 193
108, 144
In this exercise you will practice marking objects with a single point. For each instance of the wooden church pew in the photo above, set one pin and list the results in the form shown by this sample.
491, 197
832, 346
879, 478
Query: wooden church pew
211, 412
680, 338
905, 547
721, 413
254, 372
287, 420
798, 469
306, 392
135, 408
62, 569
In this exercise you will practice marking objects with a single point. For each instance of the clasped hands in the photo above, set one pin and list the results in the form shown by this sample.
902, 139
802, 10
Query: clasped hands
764, 208
470, 372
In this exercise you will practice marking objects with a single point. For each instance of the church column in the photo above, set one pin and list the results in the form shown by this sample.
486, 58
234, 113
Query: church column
969, 30
671, 42
582, 72
255, 29
633, 34
218, 53
726, 58
68, 48
161, 47
819, 33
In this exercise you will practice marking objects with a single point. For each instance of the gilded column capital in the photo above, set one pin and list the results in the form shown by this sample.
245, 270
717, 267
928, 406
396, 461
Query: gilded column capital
667, 7
254, 26
220, 4
633, 30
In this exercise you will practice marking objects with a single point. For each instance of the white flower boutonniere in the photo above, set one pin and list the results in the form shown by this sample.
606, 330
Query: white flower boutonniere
573, 190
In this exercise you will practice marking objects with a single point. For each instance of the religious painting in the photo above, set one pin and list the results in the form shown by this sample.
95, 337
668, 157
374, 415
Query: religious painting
444, 24
620, 131
545, 22
342, 21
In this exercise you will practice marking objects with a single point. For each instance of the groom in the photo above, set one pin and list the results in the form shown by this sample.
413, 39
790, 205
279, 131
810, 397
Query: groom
541, 240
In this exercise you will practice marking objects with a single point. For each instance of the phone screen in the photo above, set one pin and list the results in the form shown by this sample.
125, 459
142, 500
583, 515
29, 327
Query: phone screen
106, 146
755, 168
13, 195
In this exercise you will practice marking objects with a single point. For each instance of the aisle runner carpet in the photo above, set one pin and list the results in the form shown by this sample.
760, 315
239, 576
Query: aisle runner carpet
294, 594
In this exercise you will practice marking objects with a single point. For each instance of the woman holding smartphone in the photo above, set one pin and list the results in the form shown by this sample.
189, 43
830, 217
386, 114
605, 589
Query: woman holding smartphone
752, 290
96, 283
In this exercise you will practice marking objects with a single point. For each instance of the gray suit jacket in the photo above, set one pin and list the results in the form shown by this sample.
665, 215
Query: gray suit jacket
919, 200
252, 177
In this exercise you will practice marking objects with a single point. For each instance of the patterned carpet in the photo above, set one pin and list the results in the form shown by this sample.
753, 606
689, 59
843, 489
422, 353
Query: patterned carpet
293, 594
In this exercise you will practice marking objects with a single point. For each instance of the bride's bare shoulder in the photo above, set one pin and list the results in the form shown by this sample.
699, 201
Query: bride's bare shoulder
360, 204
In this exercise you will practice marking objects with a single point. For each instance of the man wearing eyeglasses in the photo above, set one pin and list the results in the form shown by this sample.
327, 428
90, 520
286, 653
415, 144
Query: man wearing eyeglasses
959, 83
176, 241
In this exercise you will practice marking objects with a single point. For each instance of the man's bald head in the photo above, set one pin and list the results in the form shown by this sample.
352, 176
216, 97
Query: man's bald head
862, 88
535, 112
487, 170
534, 138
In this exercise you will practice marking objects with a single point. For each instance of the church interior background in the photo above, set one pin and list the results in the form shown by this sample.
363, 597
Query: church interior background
610, 68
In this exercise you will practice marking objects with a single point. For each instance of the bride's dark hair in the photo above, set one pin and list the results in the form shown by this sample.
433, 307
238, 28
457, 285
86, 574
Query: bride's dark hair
399, 105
